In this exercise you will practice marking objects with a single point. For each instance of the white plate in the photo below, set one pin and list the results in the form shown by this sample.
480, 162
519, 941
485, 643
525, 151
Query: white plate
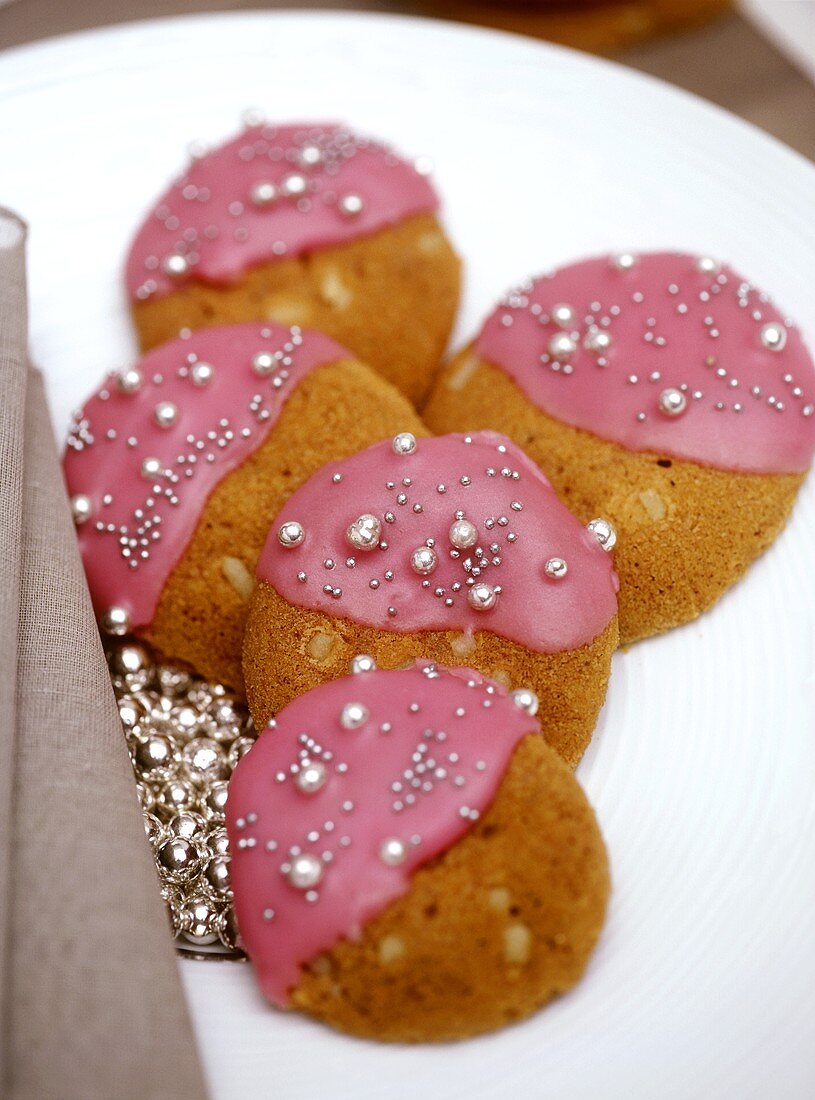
702, 770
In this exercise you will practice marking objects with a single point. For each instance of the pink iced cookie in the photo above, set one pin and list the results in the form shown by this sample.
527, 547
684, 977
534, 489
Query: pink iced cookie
457, 543
235, 236
269, 193
354, 788
149, 449
663, 352
457, 533
662, 391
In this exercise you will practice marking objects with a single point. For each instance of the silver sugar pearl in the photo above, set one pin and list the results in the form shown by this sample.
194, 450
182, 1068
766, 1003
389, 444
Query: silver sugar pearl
175, 265
115, 621
264, 193
240, 747
173, 681
198, 917
310, 156
364, 532
295, 185
186, 722
563, 315
226, 715
125, 660
392, 851
204, 760
562, 345
175, 796
153, 828
362, 663
263, 363
146, 797
463, 534
624, 261
311, 778
290, 534
424, 560
202, 373
218, 842
774, 336
353, 715
404, 443
151, 468
672, 402
305, 872
178, 859
526, 700
165, 414
187, 824
351, 205
216, 877
556, 568
131, 712
604, 532
597, 340
482, 597
81, 508
227, 928
129, 380
706, 265
154, 757
215, 800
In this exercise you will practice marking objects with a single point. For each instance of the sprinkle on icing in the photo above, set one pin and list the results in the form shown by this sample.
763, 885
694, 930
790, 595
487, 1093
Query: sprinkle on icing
329, 818
151, 444
662, 352
455, 533
271, 193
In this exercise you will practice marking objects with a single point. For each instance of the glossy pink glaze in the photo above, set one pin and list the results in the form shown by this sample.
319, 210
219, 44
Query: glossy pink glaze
671, 325
209, 217
218, 425
422, 768
520, 522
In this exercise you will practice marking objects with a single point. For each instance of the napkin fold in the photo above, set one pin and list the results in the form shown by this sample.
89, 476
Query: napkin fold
91, 1004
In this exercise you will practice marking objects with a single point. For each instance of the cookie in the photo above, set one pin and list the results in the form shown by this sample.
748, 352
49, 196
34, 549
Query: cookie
453, 549
604, 28
305, 224
662, 391
410, 860
178, 465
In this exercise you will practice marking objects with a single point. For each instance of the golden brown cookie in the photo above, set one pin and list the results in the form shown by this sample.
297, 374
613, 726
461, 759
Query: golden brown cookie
303, 225
411, 861
655, 359
178, 465
588, 25
453, 549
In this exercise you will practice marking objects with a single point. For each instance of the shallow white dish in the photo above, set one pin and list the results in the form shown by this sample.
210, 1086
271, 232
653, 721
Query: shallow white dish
703, 767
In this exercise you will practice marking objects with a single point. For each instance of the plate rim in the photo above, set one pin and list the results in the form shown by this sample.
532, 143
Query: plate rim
612, 69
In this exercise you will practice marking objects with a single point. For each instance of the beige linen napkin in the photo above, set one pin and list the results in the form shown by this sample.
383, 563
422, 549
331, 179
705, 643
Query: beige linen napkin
90, 1000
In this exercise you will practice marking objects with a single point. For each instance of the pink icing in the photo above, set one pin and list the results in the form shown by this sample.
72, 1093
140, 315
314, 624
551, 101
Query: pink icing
416, 497
140, 523
424, 765
210, 218
675, 321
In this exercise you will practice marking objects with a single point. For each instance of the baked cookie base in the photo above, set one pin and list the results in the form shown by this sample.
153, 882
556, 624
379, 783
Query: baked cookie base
685, 532
390, 298
337, 410
288, 650
491, 930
